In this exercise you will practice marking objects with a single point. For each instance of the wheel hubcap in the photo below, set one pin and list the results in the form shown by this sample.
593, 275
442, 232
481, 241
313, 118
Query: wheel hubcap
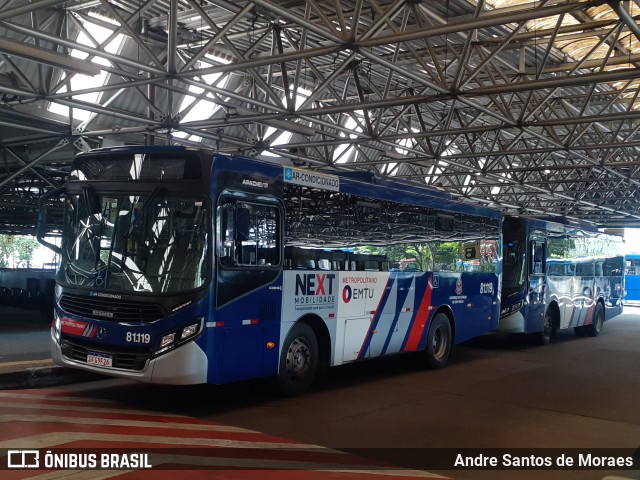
298, 358
547, 326
439, 344
599, 322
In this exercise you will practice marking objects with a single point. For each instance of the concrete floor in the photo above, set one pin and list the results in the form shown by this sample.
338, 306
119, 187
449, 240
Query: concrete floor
499, 392
24, 336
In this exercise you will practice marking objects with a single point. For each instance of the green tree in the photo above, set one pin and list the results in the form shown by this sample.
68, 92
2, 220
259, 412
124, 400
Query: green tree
402, 251
422, 253
23, 252
20, 248
394, 253
6, 250
446, 253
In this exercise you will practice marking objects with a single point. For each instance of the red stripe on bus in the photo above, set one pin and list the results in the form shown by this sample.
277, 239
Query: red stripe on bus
367, 338
588, 318
420, 321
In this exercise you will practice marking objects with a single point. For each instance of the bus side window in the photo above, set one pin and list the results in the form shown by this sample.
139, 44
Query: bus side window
538, 257
245, 255
225, 227
248, 235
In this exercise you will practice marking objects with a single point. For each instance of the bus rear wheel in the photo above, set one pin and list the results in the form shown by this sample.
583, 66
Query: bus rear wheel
439, 340
298, 360
544, 337
595, 327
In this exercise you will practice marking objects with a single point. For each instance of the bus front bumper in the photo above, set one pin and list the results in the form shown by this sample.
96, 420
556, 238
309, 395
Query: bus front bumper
185, 365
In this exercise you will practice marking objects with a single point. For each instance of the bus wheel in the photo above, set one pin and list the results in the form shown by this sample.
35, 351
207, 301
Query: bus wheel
439, 342
298, 360
544, 337
598, 321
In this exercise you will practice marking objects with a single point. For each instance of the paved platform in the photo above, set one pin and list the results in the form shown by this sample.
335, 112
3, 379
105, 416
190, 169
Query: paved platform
40, 410
75, 421
25, 361
486, 397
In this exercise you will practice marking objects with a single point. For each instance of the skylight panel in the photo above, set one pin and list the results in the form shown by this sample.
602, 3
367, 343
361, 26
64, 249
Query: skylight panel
390, 168
284, 137
199, 109
194, 108
82, 82
343, 153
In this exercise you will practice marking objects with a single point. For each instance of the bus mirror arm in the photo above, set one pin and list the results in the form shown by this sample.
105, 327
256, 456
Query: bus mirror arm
42, 217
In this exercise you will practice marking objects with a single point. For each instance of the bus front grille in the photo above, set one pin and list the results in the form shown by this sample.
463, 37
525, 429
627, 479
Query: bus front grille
78, 351
108, 309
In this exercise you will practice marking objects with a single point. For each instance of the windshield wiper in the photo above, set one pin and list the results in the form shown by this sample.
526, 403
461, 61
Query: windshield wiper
145, 205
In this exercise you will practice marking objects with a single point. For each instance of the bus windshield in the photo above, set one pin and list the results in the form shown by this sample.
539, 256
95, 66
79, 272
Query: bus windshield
514, 265
134, 243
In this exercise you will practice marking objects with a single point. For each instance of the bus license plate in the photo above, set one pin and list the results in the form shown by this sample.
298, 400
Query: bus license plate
99, 359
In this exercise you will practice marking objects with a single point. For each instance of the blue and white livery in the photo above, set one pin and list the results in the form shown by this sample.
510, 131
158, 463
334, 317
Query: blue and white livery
558, 276
181, 266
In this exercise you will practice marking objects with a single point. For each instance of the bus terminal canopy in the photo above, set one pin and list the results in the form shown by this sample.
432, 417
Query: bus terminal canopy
528, 107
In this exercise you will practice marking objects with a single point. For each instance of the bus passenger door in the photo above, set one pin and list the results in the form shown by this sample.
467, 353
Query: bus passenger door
248, 294
537, 294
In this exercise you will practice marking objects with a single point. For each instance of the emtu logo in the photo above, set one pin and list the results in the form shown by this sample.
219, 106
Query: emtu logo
358, 293
347, 293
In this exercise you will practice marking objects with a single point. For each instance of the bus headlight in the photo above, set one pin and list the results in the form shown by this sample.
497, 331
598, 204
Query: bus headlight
189, 331
57, 327
167, 340
179, 337
504, 311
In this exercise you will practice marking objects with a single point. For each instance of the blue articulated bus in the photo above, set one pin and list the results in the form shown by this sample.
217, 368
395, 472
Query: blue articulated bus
632, 278
180, 266
558, 276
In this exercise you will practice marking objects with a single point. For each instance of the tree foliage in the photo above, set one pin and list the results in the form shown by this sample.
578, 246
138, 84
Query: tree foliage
18, 248
419, 253
420, 256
